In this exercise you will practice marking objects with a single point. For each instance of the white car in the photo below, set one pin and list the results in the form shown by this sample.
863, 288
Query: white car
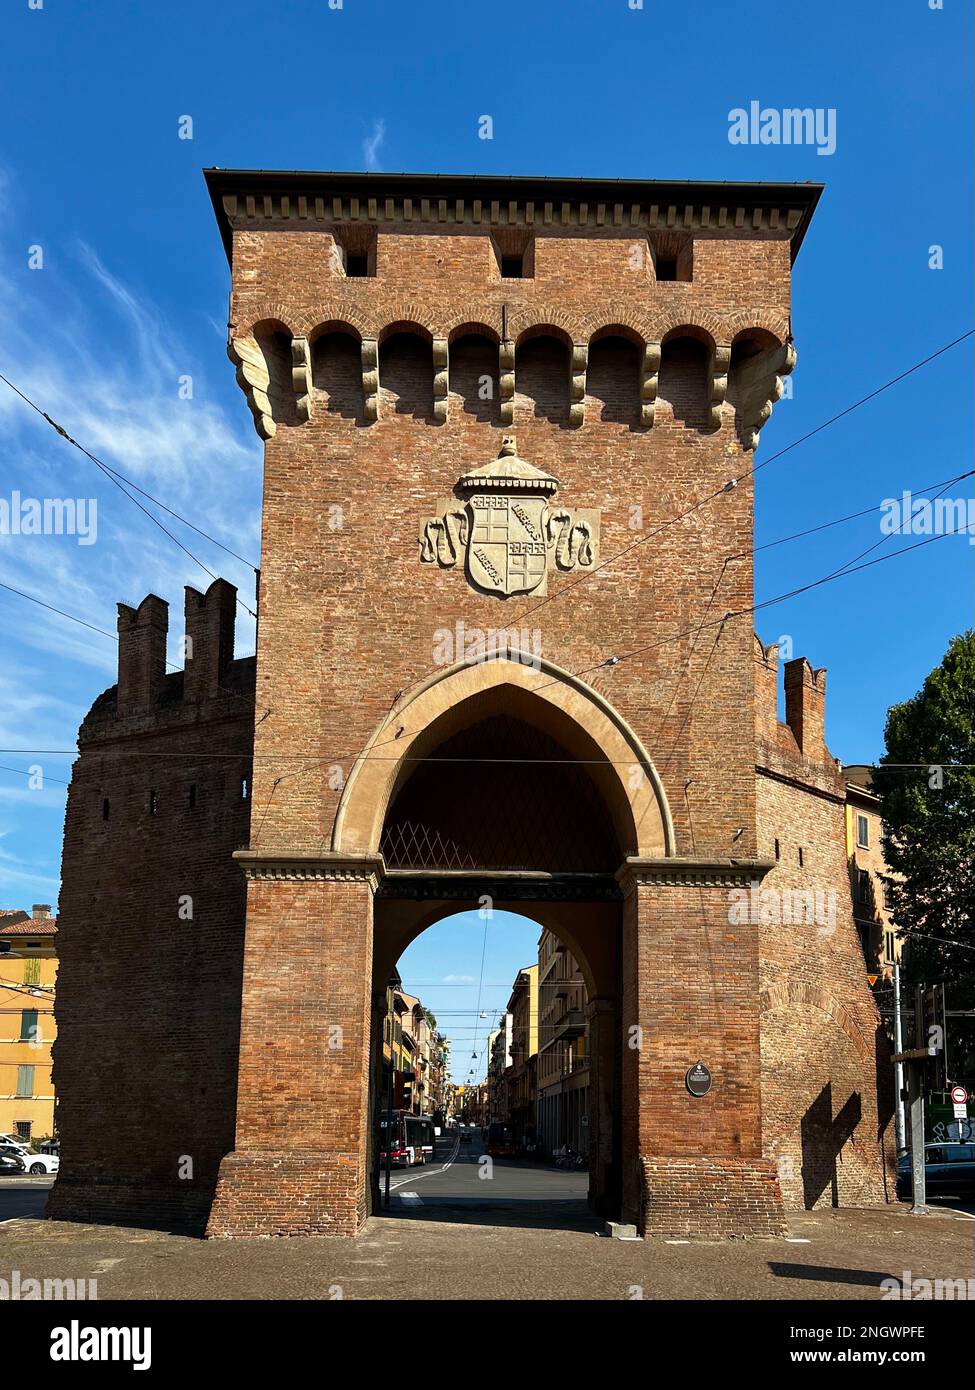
35, 1163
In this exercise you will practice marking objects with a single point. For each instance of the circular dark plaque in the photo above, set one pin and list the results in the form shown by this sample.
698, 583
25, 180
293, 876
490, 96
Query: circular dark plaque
698, 1080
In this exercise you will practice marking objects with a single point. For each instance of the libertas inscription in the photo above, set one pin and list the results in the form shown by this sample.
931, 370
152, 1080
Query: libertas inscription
505, 528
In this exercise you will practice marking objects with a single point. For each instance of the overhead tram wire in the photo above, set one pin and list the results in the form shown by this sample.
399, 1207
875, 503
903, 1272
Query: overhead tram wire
611, 660
732, 483
781, 540
855, 516
615, 660
114, 477
26, 772
103, 631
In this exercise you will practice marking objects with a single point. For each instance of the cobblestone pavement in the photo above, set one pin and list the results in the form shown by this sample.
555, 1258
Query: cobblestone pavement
828, 1255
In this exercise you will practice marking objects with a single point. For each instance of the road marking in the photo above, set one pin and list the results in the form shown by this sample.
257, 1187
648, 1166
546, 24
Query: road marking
428, 1172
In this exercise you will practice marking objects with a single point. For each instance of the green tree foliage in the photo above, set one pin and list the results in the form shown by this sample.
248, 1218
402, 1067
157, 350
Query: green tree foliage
929, 811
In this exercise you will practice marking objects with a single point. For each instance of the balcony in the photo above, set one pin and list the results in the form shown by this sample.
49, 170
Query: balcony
571, 1025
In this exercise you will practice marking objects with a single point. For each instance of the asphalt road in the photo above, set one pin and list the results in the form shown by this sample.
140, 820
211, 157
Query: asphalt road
464, 1184
23, 1197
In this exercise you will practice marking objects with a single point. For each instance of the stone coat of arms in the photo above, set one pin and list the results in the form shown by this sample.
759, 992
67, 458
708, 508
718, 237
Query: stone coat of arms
505, 527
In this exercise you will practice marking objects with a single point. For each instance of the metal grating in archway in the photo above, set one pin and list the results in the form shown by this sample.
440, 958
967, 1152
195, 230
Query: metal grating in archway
500, 795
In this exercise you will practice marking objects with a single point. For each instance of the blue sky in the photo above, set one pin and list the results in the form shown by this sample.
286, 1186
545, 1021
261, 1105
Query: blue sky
133, 290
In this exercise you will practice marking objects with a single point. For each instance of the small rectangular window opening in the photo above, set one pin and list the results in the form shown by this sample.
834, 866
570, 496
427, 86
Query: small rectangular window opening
152, 802
192, 796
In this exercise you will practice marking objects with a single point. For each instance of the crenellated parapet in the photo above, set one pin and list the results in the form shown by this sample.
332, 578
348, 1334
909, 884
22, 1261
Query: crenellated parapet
145, 685
796, 747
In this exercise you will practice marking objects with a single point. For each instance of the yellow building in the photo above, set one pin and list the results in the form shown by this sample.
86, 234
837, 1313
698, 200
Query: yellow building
869, 874
562, 1075
28, 972
522, 1074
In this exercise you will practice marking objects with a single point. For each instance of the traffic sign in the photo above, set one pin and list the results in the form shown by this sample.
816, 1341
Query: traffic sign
959, 1095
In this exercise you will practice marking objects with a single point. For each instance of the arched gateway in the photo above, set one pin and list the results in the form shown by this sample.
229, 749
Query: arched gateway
498, 661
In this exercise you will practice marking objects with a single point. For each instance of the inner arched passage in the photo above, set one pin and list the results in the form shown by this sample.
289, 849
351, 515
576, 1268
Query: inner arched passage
575, 1069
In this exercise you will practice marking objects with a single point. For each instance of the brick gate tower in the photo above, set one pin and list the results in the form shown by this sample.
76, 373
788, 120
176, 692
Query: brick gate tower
504, 656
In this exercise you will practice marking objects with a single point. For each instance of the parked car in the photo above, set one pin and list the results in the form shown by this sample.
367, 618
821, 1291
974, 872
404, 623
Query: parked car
35, 1163
949, 1169
11, 1161
41, 1163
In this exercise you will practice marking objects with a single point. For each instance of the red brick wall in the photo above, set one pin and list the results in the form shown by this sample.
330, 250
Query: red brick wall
148, 1006
826, 1074
348, 621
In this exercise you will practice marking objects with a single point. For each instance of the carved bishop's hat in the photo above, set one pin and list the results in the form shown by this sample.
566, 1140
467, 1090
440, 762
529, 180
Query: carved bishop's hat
509, 473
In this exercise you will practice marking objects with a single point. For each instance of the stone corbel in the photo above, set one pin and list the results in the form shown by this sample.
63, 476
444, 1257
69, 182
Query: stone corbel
757, 385
577, 383
719, 382
649, 369
301, 376
441, 380
253, 378
506, 381
370, 378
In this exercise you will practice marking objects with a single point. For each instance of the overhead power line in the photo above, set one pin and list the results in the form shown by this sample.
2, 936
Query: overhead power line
732, 483
366, 752
114, 478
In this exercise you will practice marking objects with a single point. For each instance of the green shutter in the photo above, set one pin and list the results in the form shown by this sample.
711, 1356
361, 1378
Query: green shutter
28, 1025
25, 1081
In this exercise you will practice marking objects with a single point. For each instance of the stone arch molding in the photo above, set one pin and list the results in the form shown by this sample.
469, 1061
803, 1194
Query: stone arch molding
640, 806
788, 994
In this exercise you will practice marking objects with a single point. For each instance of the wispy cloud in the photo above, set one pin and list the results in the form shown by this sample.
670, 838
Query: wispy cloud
96, 351
370, 145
